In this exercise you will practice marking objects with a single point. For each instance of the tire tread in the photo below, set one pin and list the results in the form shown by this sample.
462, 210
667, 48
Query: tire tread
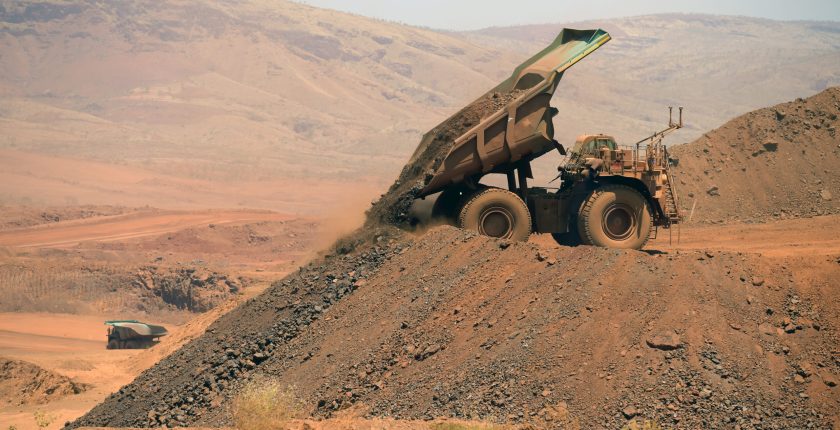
585, 234
471, 200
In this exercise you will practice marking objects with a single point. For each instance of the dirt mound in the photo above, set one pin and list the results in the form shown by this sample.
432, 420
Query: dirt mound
454, 324
393, 206
777, 162
24, 383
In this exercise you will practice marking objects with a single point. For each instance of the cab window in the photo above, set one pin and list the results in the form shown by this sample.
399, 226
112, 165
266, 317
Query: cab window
595, 145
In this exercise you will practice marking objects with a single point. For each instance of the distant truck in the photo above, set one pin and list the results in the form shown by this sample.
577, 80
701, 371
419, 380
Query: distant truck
133, 334
609, 195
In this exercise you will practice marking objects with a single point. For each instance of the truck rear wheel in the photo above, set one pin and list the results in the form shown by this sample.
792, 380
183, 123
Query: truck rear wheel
615, 216
497, 213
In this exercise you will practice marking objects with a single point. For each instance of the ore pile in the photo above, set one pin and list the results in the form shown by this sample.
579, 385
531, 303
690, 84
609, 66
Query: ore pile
27, 384
519, 333
392, 207
773, 163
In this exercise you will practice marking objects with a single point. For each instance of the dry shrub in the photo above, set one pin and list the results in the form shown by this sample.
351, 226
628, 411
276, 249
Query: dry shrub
644, 425
460, 426
265, 404
43, 419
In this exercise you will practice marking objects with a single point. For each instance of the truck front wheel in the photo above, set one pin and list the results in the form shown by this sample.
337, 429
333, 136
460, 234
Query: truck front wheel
497, 213
615, 216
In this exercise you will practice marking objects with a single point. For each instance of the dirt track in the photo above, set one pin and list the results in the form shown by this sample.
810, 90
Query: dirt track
130, 226
74, 345
796, 237
71, 345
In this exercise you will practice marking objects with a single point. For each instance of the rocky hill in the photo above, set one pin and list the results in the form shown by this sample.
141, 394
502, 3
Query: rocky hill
246, 103
777, 162
459, 325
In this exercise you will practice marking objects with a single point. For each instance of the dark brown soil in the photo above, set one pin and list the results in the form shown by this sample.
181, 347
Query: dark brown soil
25, 383
774, 163
392, 207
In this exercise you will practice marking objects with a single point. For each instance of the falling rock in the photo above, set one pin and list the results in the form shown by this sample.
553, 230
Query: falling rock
665, 341
829, 379
629, 412
713, 191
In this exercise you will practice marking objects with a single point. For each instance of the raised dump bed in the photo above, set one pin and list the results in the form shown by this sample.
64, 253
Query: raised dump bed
521, 128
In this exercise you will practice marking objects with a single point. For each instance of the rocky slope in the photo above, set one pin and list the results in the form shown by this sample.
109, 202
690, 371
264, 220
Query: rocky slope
777, 162
454, 324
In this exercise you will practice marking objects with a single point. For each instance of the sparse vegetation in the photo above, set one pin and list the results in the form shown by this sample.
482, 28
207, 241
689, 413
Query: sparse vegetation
265, 404
42, 419
644, 425
460, 426
63, 287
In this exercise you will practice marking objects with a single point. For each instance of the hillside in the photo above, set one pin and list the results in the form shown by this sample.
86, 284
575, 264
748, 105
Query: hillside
777, 162
458, 325
220, 93
282, 106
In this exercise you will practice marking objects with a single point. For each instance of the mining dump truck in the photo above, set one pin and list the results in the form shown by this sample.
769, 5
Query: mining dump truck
132, 334
609, 195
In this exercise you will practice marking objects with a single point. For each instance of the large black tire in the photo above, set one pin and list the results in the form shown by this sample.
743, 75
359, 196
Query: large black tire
113, 344
497, 213
615, 216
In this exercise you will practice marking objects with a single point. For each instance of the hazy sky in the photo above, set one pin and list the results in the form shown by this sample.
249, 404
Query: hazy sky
473, 14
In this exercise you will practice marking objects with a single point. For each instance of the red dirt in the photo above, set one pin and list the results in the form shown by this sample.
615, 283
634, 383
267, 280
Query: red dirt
494, 330
774, 163
147, 262
27, 383
735, 326
128, 226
